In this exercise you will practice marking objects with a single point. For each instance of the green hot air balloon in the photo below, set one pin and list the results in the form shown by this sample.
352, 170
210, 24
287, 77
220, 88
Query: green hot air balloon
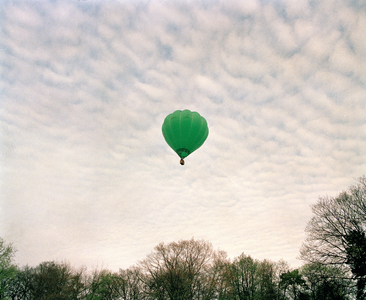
185, 131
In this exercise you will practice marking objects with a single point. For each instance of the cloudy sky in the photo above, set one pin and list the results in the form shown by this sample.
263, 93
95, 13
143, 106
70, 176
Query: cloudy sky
86, 175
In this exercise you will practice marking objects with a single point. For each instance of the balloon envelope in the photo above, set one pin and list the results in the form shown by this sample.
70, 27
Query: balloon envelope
185, 131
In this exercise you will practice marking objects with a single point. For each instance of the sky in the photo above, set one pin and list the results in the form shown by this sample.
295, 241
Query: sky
86, 176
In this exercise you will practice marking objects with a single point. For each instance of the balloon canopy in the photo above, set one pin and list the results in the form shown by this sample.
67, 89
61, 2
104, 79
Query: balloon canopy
185, 131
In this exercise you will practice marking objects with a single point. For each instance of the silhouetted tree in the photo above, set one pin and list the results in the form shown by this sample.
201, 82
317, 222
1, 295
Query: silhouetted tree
7, 268
356, 259
293, 282
104, 285
179, 270
266, 289
131, 285
244, 277
336, 233
250, 279
53, 280
326, 282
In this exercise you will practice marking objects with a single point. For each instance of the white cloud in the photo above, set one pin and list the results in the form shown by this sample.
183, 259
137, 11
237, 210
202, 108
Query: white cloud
86, 87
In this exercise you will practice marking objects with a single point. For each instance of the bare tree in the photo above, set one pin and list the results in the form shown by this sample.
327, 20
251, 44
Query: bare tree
336, 233
179, 270
131, 285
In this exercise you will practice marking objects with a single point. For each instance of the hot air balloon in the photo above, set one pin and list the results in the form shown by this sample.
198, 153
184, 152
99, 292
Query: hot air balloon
185, 131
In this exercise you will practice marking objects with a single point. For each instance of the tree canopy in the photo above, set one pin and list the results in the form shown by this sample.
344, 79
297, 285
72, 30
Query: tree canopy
7, 268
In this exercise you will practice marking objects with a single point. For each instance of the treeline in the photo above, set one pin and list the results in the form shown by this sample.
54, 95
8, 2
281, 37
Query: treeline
188, 269
334, 255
